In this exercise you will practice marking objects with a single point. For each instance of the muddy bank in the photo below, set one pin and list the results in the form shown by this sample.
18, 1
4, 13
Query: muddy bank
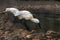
11, 28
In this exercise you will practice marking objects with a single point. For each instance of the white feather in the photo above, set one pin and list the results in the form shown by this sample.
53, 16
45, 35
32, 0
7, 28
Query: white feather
23, 14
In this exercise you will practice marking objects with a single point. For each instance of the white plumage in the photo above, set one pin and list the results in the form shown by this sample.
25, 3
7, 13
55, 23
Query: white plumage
22, 14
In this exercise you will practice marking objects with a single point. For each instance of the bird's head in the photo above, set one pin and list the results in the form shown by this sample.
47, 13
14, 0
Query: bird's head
13, 10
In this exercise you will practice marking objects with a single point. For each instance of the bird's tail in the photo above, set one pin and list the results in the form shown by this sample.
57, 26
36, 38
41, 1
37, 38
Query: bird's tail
35, 20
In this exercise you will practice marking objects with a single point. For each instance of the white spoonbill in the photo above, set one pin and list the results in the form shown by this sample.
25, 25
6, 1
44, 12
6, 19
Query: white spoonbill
24, 14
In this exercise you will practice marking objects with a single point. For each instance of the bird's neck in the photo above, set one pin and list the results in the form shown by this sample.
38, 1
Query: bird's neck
14, 12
